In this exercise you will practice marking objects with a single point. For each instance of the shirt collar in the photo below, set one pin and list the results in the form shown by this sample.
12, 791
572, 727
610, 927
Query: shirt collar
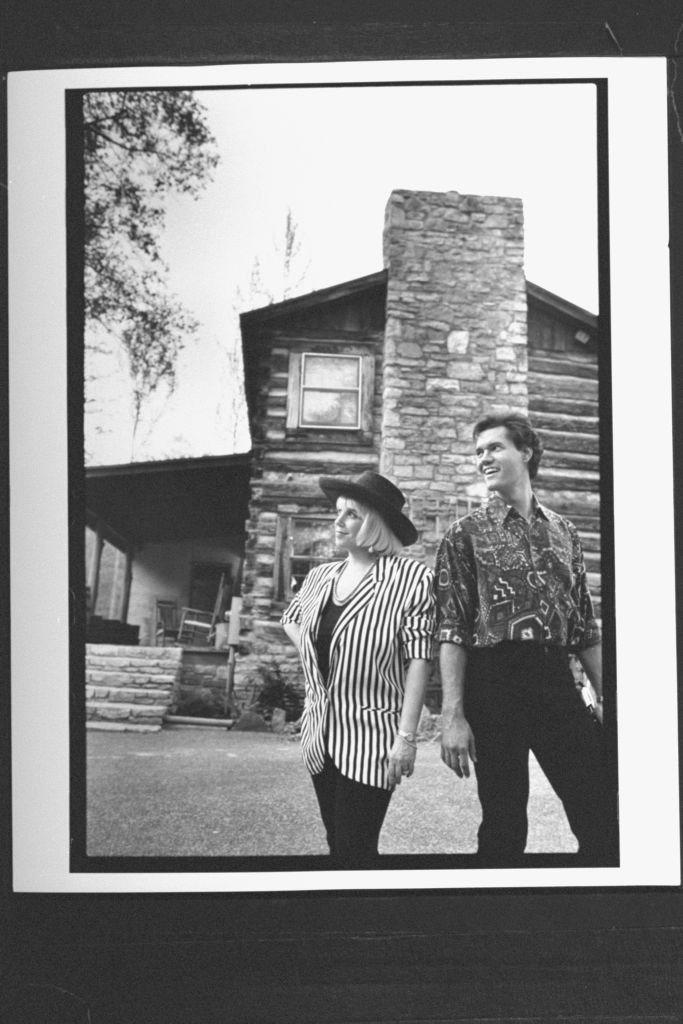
501, 512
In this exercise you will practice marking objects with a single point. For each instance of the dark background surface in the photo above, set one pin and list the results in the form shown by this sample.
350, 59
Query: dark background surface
429, 956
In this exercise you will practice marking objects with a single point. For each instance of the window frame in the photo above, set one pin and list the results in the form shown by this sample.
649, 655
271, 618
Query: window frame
366, 392
282, 582
357, 390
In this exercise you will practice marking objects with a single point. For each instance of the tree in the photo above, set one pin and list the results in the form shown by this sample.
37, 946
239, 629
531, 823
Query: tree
278, 274
139, 146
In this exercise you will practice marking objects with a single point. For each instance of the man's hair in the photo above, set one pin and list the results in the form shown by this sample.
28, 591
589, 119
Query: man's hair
520, 432
375, 535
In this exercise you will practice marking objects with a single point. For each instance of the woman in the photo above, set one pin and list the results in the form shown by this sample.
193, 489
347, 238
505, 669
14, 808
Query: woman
363, 627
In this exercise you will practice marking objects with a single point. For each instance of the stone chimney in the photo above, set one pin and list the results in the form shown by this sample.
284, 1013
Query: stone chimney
455, 342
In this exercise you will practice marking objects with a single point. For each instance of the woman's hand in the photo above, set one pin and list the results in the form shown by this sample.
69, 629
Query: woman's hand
401, 761
293, 631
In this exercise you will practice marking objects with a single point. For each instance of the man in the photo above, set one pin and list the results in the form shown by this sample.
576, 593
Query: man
513, 604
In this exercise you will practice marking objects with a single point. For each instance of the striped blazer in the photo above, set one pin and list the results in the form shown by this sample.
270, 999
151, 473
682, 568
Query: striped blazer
388, 621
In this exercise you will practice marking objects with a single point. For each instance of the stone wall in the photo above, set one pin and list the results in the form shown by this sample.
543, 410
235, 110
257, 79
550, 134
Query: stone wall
455, 340
130, 688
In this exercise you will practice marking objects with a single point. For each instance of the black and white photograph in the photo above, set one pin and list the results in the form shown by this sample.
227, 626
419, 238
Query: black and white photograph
337, 376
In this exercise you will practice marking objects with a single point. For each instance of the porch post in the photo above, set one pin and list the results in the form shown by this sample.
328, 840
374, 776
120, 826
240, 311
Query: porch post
95, 562
127, 583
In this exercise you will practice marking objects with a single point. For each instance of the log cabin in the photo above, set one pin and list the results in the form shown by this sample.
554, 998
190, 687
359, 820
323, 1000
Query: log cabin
386, 372
389, 372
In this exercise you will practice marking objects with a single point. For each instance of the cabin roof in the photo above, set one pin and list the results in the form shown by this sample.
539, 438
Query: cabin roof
323, 296
171, 499
556, 305
537, 295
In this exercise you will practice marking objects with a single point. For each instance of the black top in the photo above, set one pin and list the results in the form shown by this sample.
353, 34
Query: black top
328, 620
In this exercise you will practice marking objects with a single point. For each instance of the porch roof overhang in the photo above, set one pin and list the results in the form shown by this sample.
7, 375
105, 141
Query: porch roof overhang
170, 500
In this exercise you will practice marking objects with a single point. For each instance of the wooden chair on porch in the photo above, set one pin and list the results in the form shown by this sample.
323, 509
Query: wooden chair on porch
166, 629
197, 627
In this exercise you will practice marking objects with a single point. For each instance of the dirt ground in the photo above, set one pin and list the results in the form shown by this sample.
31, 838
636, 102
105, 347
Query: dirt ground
208, 792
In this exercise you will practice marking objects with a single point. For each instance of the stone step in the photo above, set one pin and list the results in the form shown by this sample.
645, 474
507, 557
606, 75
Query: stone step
128, 659
563, 365
126, 651
139, 680
125, 695
130, 688
97, 724
115, 711
96, 655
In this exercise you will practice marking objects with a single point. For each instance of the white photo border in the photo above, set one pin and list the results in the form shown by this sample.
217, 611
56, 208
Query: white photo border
642, 462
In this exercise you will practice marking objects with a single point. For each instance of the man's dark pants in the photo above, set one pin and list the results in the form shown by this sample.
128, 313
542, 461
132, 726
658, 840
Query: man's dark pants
521, 697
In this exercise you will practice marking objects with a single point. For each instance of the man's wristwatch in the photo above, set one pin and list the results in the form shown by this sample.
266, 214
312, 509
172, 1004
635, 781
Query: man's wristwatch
409, 736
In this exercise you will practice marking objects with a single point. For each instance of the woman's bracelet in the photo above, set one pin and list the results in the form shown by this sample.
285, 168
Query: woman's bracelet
409, 737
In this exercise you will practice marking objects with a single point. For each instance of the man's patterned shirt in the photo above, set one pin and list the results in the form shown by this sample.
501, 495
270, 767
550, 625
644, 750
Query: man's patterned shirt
499, 577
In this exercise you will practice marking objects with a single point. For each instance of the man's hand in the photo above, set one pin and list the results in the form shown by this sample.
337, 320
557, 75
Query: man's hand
457, 746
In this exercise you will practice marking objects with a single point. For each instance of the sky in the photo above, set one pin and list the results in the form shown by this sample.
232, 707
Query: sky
333, 155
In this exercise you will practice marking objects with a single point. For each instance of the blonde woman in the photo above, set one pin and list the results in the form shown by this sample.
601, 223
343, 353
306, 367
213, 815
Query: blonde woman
363, 627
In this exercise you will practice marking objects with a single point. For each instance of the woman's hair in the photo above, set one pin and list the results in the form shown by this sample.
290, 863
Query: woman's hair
520, 432
374, 533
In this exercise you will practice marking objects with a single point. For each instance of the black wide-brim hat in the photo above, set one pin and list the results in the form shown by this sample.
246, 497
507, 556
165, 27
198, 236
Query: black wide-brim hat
376, 492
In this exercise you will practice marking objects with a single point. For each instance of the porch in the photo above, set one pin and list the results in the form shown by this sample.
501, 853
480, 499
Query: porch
164, 547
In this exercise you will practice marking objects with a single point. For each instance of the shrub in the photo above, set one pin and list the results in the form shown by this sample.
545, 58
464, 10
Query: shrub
272, 690
200, 702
